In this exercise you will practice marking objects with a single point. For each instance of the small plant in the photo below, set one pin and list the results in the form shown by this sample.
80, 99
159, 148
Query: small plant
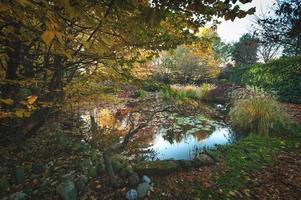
260, 114
141, 94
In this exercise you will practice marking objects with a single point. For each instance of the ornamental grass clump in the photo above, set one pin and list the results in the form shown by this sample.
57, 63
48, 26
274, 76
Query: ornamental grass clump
192, 91
259, 114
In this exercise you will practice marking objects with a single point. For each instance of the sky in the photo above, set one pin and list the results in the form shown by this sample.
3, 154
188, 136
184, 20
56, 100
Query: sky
231, 31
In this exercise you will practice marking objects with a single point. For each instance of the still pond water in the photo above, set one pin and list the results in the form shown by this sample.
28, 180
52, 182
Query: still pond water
174, 136
180, 137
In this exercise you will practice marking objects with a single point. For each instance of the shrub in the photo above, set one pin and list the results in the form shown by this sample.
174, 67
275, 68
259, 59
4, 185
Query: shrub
260, 114
192, 91
281, 77
141, 94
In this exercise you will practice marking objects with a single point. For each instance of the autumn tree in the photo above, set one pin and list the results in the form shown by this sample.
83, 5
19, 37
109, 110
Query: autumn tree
193, 63
44, 44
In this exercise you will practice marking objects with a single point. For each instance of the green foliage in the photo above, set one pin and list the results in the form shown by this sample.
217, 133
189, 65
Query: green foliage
280, 76
245, 51
249, 154
262, 115
141, 94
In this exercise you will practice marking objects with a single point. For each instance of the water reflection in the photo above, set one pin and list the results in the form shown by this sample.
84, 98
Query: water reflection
171, 135
165, 147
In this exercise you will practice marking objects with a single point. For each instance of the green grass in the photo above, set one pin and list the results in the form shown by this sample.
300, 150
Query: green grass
238, 161
245, 156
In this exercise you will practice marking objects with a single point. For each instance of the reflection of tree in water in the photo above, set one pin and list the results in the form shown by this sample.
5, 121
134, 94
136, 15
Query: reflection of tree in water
171, 136
200, 136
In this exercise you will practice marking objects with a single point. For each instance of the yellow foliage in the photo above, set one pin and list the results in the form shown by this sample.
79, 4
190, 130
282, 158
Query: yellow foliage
7, 101
48, 36
106, 119
31, 99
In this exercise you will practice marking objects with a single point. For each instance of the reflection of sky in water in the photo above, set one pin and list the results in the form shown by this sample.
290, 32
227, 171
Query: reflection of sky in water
183, 149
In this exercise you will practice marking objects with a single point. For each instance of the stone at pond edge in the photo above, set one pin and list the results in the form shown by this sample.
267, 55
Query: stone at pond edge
20, 177
203, 159
4, 184
92, 172
100, 168
131, 195
116, 166
185, 164
81, 182
161, 167
38, 168
18, 196
146, 179
67, 190
68, 176
126, 171
142, 189
134, 179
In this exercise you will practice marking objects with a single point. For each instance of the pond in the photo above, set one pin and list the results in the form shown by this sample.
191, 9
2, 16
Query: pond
182, 137
174, 135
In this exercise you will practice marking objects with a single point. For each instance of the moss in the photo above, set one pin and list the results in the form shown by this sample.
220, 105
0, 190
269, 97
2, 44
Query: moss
162, 167
186, 164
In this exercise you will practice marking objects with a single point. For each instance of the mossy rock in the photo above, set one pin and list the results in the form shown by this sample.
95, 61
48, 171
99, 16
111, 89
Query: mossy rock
92, 172
203, 160
117, 166
38, 168
4, 184
20, 176
186, 164
161, 167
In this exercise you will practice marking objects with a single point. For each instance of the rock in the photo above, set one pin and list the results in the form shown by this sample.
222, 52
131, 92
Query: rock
160, 167
146, 179
38, 168
68, 176
204, 159
18, 196
134, 179
20, 177
142, 189
67, 190
127, 171
185, 164
131, 195
100, 168
92, 172
4, 170
4, 184
81, 182
116, 166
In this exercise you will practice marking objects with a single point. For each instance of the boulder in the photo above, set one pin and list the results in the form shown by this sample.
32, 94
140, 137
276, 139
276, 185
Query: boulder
131, 195
160, 167
20, 177
126, 171
134, 179
68, 176
146, 179
18, 196
203, 159
92, 172
4, 184
186, 164
142, 189
81, 182
116, 166
67, 190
